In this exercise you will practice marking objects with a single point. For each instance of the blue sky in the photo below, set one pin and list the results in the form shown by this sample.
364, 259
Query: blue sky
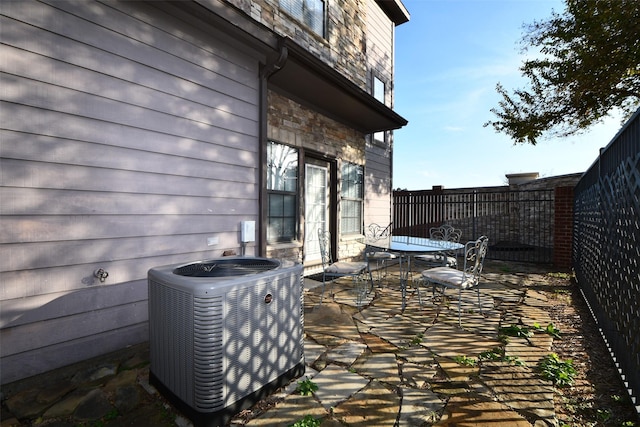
449, 57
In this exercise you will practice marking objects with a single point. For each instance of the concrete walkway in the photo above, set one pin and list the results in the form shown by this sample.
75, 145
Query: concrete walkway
373, 365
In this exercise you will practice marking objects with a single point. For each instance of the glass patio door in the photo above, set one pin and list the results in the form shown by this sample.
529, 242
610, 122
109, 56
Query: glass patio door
316, 209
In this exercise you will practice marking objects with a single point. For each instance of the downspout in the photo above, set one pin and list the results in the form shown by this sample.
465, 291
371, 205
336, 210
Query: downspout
266, 71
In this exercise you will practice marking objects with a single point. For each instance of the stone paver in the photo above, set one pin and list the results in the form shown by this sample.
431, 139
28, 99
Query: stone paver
449, 340
94, 405
346, 353
67, 406
312, 351
399, 331
336, 384
375, 344
520, 388
535, 299
381, 367
457, 372
419, 407
415, 375
293, 408
374, 405
329, 320
531, 316
473, 411
529, 350
32, 402
417, 354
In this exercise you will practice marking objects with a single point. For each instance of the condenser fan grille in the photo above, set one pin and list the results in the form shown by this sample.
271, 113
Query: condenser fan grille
226, 268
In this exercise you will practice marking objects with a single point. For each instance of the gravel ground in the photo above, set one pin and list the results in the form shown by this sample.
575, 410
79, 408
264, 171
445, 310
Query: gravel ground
598, 397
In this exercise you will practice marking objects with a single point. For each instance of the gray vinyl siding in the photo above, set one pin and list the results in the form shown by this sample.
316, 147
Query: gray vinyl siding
127, 137
378, 183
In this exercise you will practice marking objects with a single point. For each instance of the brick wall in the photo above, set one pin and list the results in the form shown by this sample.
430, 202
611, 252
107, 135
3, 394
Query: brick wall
563, 227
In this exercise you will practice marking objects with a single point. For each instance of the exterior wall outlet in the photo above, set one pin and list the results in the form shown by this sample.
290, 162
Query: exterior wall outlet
212, 241
247, 231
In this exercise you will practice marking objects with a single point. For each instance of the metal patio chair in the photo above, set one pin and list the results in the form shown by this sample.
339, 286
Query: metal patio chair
374, 251
333, 270
460, 280
445, 258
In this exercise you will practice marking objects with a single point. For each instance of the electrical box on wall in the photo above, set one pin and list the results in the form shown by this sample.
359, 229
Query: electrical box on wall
247, 231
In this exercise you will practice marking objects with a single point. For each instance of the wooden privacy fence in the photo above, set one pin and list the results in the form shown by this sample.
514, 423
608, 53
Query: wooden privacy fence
519, 223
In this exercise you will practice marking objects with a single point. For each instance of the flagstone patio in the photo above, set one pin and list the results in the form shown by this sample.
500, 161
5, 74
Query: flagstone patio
375, 365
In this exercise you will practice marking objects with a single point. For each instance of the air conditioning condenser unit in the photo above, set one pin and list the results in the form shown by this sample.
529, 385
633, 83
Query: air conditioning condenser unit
224, 333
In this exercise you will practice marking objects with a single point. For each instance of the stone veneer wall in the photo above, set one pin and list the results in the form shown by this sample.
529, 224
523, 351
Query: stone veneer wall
353, 50
343, 46
292, 124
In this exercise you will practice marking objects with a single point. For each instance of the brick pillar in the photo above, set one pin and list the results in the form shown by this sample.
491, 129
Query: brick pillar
563, 227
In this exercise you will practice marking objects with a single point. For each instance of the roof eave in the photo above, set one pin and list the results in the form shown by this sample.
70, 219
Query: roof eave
395, 10
311, 82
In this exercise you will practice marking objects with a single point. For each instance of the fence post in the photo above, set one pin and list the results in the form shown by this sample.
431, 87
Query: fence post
563, 227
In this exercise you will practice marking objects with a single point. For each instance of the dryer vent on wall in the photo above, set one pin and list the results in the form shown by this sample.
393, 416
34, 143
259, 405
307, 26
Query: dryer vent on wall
224, 333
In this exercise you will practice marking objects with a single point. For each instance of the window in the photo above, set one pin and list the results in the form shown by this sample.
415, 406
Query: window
378, 91
282, 190
309, 12
352, 194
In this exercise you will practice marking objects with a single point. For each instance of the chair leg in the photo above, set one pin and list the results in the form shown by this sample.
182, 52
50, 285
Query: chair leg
379, 266
323, 286
433, 298
370, 277
416, 283
361, 289
421, 281
385, 268
459, 307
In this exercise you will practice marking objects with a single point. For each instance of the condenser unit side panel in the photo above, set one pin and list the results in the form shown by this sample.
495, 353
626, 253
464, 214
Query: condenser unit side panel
208, 370
262, 334
171, 339
238, 336
289, 321
300, 279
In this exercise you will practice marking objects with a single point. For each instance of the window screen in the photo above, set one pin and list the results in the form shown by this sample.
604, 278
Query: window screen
282, 191
352, 194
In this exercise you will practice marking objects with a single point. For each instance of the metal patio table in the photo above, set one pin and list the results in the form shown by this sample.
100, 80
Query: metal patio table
406, 247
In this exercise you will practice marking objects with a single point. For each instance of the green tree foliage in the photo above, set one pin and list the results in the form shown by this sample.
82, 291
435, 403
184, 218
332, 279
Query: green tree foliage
589, 65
